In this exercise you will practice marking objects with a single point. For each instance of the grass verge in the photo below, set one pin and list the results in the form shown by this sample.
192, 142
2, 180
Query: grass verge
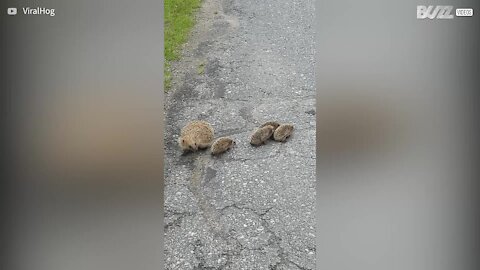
179, 20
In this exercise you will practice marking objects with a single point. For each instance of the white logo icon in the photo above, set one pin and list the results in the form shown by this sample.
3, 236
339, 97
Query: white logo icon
434, 12
12, 11
464, 12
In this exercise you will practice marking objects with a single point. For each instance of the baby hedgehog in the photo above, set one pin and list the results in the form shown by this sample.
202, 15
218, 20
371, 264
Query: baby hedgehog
196, 135
283, 132
221, 145
274, 124
261, 135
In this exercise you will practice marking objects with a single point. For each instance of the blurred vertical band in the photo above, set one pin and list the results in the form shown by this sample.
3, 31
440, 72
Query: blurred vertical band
82, 112
396, 98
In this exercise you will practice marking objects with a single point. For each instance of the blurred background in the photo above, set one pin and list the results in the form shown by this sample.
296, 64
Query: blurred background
82, 112
395, 136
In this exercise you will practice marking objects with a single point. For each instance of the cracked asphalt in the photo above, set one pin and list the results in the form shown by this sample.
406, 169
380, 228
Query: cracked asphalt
246, 62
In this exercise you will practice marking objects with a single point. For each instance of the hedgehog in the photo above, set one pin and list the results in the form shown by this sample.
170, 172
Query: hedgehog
196, 135
274, 124
261, 135
283, 132
221, 145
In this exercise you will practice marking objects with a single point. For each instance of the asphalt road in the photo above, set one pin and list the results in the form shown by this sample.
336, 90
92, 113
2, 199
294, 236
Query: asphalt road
247, 62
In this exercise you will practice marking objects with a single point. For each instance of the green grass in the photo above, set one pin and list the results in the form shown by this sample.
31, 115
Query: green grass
179, 20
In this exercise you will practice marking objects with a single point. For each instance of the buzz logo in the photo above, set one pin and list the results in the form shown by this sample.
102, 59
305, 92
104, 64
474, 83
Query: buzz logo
434, 12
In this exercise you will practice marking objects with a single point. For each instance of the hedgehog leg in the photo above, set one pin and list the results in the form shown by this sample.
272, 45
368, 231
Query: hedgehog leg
203, 145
